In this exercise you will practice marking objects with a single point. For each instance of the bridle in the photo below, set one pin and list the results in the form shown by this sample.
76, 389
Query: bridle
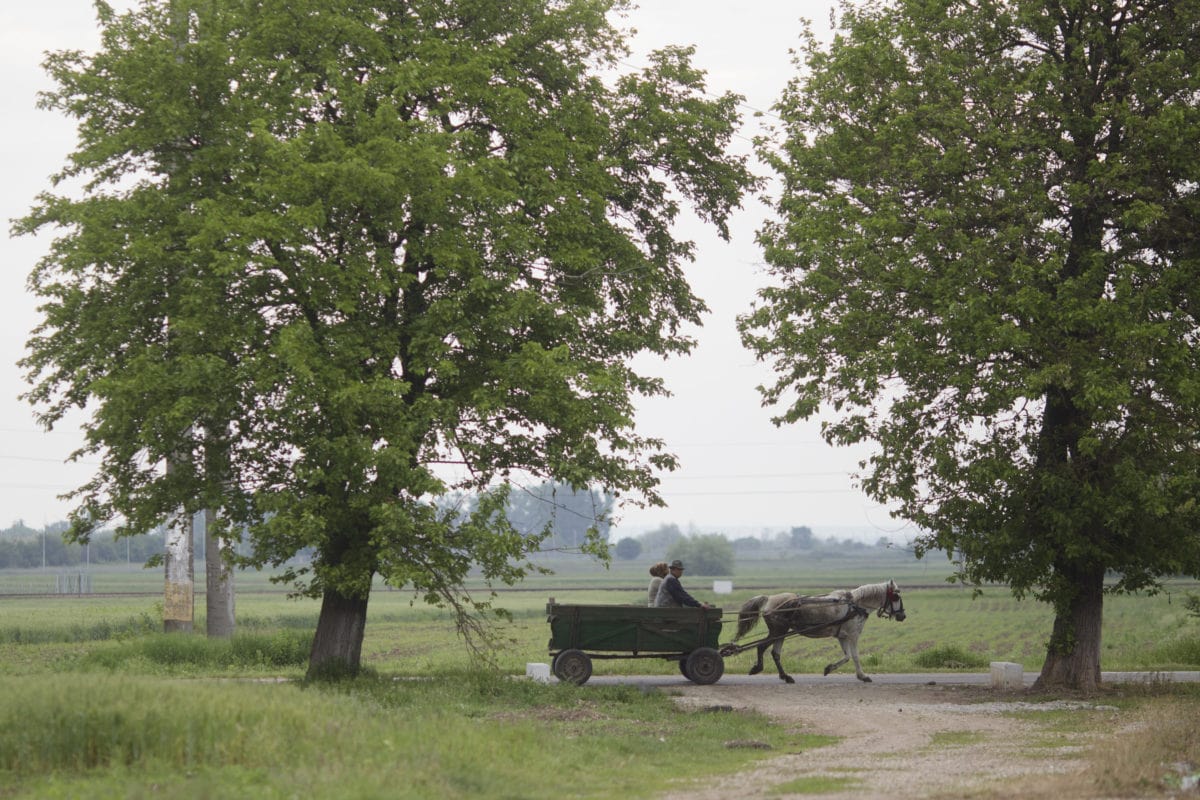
888, 609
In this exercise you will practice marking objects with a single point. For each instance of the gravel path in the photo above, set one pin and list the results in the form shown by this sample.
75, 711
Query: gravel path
897, 741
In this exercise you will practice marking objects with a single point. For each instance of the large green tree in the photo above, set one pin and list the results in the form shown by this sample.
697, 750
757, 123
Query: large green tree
312, 250
986, 261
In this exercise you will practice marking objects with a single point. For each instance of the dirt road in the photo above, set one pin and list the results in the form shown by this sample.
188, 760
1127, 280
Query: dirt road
898, 741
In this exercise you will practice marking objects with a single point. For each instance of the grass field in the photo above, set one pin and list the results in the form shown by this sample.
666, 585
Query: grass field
96, 702
947, 626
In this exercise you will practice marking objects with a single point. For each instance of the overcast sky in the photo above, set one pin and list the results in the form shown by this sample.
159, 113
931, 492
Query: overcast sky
739, 472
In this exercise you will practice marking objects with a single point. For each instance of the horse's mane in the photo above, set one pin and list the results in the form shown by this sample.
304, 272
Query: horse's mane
872, 595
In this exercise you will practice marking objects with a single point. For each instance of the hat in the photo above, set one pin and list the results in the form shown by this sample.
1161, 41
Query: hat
677, 564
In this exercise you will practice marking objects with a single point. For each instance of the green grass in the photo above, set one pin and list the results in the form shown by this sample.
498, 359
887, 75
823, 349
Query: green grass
946, 628
163, 653
816, 784
465, 735
944, 739
96, 702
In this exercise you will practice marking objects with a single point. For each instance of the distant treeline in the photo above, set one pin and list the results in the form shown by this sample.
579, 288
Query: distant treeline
24, 547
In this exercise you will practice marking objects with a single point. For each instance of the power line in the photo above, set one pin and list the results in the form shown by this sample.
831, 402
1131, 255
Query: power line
44, 460
839, 473
746, 493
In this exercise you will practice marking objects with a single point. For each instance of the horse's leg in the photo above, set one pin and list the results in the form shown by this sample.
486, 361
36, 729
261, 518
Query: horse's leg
757, 668
851, 648
845, 657
775, 652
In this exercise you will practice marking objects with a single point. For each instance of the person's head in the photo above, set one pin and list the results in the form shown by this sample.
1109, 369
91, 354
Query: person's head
677, 568
659, 570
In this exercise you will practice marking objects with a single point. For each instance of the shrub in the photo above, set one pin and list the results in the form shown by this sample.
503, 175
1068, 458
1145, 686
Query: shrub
949, 657
1192, 603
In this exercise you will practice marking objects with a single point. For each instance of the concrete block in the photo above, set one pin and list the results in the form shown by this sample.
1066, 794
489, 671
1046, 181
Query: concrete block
1007, 675
539, 672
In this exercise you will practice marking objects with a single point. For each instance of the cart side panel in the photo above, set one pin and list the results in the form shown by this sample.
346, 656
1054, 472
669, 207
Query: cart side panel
637, 629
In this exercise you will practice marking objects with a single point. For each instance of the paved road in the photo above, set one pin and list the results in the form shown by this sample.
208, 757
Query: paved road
946, 678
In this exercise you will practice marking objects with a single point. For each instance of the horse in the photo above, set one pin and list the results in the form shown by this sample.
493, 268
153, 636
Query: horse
841, 614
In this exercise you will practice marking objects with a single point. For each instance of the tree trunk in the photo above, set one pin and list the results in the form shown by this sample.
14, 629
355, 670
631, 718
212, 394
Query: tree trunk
1073, 655
179, 569
219, 599
337, 645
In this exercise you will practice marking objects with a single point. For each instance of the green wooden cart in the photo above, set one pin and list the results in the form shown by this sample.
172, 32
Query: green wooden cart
581, 633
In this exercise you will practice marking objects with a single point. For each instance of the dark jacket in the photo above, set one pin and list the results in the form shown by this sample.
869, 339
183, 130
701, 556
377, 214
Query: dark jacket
672, 593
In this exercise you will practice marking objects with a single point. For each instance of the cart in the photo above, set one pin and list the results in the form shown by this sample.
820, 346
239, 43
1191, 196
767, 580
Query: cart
581, 633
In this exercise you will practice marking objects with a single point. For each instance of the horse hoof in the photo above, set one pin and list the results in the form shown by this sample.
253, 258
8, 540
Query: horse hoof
755, 670
788, 678
828, 670
864, 678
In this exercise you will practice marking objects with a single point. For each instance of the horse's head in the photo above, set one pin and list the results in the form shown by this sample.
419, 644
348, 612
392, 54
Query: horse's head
893, 606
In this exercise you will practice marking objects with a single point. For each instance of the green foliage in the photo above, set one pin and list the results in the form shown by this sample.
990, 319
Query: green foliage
422, 235
983, 264
949, 657
1192, 603
708, 554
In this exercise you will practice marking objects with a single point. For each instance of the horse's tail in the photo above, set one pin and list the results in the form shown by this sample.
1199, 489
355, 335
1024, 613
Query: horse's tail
748, 615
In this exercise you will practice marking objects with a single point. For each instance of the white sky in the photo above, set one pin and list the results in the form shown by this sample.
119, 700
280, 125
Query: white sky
740, 473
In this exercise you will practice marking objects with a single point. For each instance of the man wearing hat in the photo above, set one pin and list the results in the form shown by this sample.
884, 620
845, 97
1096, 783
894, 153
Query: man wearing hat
671, 591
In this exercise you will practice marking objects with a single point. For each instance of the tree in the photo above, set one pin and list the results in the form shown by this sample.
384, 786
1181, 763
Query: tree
706, 554
801, 538
660, 540
628, 548
986, 262
747, 545
324, 248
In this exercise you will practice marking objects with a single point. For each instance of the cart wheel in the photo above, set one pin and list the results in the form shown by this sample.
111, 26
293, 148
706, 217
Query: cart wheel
683, 668
573, 666
703, 666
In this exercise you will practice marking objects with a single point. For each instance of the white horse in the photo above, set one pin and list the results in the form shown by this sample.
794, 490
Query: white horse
841, 614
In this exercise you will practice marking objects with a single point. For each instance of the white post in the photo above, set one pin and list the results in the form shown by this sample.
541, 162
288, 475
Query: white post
179, 564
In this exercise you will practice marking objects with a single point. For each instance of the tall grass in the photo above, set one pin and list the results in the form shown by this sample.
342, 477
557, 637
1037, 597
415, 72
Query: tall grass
171, 653
466, 735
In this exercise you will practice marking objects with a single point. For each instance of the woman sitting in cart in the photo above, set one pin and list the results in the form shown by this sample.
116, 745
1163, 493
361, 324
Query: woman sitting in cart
657, 573
671, 592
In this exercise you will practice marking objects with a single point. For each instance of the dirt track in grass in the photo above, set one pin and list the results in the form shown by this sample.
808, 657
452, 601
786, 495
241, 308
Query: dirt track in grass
902, 742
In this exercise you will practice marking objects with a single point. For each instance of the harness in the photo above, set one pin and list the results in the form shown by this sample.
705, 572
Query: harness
853, 610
